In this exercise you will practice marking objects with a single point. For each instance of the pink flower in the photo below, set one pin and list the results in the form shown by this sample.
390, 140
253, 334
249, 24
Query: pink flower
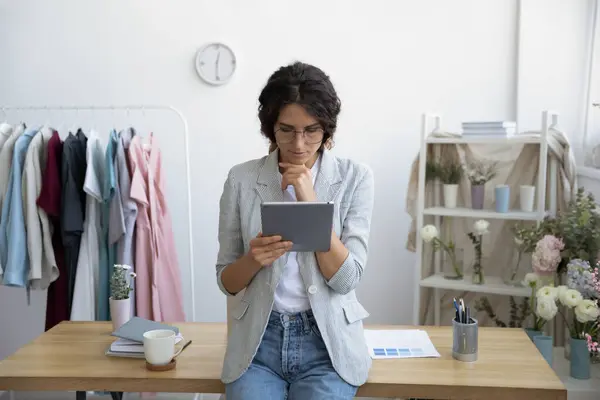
593, 347
546, 257
596, 279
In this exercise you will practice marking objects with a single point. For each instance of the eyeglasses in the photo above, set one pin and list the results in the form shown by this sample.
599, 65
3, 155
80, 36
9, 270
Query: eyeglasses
311, 134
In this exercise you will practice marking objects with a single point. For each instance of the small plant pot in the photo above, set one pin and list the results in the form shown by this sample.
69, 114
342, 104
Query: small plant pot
450, 195
502, 194
477, 196
120, 312
526, 197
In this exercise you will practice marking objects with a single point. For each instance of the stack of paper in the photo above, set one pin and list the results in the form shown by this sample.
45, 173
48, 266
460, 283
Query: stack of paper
409, 343
490, 128
131, 348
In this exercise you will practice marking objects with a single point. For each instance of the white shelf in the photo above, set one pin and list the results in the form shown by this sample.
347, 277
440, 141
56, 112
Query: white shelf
483, 214
490, 139
493, 285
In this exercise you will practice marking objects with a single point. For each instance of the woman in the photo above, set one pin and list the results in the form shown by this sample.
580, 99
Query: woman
297, 329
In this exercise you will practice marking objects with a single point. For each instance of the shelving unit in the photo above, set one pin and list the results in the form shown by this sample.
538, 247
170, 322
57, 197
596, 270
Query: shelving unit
493, 285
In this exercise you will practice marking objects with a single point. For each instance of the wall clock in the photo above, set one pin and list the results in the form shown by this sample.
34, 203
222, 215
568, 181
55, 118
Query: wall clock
216, 63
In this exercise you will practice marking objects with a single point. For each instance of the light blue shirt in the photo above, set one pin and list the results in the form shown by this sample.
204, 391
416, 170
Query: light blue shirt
107, 250
13, 238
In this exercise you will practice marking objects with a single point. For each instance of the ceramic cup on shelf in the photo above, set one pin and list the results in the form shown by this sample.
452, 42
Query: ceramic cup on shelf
159, 346
502, 193
450, 195
526, 197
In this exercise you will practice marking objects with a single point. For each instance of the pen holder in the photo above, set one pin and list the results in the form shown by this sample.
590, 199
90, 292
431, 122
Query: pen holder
464, 340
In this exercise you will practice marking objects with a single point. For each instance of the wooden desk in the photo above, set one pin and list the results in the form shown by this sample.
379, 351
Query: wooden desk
71, 357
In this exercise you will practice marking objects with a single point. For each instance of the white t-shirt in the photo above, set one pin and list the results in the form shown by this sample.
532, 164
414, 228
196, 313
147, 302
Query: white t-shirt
290, 295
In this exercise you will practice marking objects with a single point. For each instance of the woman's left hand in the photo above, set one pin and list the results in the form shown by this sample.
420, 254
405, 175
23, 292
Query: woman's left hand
300, 178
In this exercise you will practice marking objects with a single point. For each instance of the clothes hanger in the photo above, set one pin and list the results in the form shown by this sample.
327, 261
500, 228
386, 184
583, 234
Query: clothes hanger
146, 144
74, 126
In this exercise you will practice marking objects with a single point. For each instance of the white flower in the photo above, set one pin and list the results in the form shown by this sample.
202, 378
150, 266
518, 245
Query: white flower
587, 311
561, 291
546, 308
428, 233
132, 274
547, 292
531, 280
481, 227
571, 298
518, 241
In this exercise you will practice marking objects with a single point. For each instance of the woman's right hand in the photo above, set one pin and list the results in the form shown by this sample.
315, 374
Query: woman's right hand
264, 250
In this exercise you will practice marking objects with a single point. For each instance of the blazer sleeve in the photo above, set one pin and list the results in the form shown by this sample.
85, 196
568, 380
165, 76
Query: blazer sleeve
355, 236
231, 244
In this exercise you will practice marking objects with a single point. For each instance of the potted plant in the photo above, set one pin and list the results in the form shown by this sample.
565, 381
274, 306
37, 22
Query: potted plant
525, 240
479, 173
586, 280
121, 284
450, 174
480, 228
579, 229
453, 267
582, 327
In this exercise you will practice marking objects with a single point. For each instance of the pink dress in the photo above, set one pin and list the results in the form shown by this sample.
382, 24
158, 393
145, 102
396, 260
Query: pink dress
158, 282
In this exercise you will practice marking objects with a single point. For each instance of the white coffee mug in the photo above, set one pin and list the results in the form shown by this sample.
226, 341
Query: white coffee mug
159, 346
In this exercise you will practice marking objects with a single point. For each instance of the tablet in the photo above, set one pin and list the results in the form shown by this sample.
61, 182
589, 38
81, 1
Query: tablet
306, 224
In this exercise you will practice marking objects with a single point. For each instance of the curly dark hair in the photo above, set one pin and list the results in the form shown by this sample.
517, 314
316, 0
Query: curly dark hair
301, 84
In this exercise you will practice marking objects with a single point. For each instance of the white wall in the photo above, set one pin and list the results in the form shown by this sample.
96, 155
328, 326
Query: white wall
390, 61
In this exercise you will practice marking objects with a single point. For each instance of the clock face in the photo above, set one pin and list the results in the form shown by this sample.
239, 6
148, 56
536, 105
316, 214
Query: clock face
215, 63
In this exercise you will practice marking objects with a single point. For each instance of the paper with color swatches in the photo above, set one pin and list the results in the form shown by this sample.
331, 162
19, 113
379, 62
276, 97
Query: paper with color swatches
408, 343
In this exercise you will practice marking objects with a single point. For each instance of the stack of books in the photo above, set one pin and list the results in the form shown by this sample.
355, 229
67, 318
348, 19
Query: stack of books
491, 128
130, 342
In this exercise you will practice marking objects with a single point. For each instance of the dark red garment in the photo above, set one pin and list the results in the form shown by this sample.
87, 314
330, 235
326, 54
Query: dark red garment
57, 308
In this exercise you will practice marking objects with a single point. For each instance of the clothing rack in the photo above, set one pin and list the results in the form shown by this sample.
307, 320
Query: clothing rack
127, 108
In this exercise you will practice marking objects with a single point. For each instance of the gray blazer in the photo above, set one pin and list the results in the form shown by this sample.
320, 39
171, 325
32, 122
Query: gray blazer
338, 313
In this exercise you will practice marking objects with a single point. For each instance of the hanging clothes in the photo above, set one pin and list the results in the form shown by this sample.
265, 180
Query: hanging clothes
6, 156
42, 264
88, 286
123, 209
13, 238
73, 203
107, 251
5, 131
159, 294
50, 200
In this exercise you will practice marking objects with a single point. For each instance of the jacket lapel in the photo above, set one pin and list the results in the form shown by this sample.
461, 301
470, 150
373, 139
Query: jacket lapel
329, 180
268, 184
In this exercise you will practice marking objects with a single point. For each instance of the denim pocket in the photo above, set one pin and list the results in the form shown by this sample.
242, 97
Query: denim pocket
315, 329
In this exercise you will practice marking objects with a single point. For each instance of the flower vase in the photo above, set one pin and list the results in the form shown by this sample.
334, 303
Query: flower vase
477, 276
532, 333
453, 265
477, 196
580, 359
513, 275
120, 312
450, 195
545, 345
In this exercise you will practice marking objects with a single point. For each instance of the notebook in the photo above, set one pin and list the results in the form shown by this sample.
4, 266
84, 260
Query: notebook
135, 328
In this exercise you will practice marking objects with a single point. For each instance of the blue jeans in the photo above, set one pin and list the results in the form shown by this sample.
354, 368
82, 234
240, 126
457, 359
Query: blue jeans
291, 363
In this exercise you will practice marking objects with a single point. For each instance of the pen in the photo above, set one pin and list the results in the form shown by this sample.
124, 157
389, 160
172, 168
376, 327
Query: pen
462, 307
457, 314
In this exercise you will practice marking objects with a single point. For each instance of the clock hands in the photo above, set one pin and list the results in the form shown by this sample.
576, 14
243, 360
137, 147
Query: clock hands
217, 66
